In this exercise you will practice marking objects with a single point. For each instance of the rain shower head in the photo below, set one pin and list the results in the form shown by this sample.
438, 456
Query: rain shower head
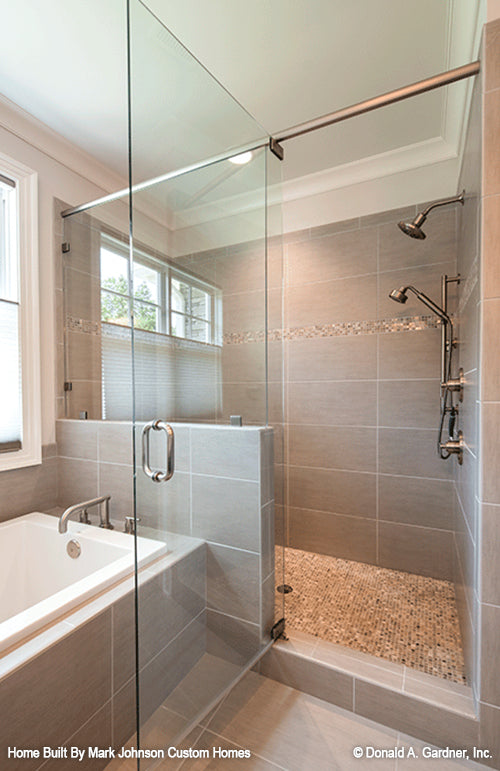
414, 228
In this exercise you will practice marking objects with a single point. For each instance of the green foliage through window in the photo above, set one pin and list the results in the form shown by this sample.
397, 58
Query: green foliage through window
115, 307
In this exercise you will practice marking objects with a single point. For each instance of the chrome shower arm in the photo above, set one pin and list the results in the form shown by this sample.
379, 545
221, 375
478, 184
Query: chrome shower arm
444, 202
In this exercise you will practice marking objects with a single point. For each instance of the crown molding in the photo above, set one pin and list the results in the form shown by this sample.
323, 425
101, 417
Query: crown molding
34, 132
387, 164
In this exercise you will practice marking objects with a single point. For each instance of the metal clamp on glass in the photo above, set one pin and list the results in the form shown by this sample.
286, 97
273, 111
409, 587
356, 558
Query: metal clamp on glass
158, 476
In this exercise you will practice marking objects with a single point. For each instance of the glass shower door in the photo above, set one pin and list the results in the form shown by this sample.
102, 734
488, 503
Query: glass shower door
206, 271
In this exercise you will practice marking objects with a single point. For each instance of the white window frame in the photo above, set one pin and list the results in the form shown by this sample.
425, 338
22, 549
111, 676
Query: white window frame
167, 272
26, 181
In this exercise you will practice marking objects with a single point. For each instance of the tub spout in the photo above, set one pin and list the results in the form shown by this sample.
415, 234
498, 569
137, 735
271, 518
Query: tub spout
77, 507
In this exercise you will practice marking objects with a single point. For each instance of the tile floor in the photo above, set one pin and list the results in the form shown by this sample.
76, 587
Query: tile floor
398, 616
288, 730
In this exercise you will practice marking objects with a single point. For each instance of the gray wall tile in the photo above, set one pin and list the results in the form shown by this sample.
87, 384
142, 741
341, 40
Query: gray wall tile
333, 447
489, 736
226, 452
405, 451
347, 299
117, 481
309, 676
333, 404
415, 355
490, 575
333, 358
416, 550
115, 442
351, 538
339, 255
233, 582
42, 709
490, 654
490, 450
232, 639
226, 511
28, 489
77, 481
409, 403
417, 718
77, 439
341, 492
414, 501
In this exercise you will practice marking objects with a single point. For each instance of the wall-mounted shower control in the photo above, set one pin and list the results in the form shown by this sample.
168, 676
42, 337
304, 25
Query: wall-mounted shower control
455, 385
455, 447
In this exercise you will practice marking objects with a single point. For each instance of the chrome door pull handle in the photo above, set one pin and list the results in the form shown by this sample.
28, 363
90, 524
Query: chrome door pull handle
158, 476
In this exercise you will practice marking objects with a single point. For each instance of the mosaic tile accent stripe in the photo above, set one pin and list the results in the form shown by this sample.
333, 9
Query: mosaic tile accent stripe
74, 324
338, 329
402, 617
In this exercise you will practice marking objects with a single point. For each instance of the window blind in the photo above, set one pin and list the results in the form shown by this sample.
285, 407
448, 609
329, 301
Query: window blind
10, 348
175, 379
10, 378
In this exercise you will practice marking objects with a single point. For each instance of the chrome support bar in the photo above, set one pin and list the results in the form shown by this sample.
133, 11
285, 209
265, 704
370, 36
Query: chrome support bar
273, 142
165, 177
77, 507
158, 476
420, 87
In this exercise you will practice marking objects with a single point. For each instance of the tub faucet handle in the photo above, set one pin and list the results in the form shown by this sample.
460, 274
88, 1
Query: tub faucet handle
130, 524
84, 517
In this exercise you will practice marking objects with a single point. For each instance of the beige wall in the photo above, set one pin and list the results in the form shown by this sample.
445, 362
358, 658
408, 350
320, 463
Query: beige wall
34, 488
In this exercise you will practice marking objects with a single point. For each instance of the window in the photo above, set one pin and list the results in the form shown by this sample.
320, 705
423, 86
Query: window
20, 414
165, 299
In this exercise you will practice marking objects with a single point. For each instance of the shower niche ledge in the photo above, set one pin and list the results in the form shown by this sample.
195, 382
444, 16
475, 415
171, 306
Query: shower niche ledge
434, 710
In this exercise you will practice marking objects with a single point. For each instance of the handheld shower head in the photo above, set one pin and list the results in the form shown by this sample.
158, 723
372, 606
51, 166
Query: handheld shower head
414, 228
399, 295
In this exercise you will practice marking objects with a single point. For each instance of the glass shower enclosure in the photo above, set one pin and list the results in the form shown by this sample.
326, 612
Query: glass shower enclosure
172, 331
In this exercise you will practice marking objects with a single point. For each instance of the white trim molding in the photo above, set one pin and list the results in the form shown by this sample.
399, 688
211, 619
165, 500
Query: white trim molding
27, 196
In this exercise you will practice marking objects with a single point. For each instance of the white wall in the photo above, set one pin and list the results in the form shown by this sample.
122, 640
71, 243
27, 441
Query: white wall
36, 146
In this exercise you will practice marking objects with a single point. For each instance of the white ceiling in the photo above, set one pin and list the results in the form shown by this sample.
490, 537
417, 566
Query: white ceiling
286, 61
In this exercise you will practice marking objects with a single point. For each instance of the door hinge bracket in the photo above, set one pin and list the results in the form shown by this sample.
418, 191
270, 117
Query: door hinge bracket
278, 630
276, 148
68, 385
66, 247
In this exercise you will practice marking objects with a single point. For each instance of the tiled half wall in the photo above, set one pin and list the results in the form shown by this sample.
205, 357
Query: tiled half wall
222, 492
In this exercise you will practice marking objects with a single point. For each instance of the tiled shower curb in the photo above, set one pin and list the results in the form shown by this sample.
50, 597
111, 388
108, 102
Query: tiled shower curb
434, 710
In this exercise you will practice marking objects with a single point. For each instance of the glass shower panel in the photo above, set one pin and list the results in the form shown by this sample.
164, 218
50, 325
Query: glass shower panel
95, 380
202, 374
203, 445
180, 113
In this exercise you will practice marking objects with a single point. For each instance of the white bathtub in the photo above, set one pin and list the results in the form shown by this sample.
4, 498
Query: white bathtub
39, 580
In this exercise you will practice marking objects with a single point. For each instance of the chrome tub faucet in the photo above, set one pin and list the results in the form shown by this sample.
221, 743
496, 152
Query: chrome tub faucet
103, 501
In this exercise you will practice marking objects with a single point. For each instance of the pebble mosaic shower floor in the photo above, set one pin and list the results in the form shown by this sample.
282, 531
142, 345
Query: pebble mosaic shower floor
397, 616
